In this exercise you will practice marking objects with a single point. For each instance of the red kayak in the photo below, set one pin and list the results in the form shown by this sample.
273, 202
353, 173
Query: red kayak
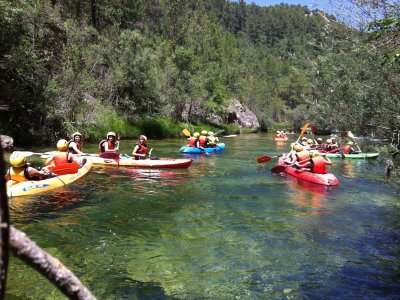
325, 179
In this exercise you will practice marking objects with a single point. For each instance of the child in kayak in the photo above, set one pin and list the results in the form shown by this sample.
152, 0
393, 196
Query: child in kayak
21, 170
194, 140
109, 145
315, 164
75, 145
62, 156
140, 151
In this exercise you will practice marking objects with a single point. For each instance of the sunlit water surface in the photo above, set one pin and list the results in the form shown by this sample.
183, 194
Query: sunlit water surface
226, 228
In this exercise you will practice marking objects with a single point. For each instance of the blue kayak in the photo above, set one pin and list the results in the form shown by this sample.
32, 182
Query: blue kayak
186, 149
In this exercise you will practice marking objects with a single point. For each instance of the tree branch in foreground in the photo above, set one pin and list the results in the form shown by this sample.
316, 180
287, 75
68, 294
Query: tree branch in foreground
47, 265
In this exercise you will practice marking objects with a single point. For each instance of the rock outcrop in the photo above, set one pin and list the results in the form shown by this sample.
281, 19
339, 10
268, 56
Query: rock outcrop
7, 142
242, 116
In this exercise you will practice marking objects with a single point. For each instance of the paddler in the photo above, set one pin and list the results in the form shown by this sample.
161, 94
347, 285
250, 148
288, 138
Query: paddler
300, 155
194, 140
304, 142
212, 140
75, 145
140, 151
62, 156
109, 145
21, 170
319, 145
203, 140
315, 164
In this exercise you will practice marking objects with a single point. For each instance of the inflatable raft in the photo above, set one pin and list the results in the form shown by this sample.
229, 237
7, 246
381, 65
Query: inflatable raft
16, 189
324, 179
193, 150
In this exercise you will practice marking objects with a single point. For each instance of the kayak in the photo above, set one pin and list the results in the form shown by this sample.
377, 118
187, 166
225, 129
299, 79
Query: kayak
15, 189
186, 149
324, 179
128, 161
352, 156
281, 139
124, 160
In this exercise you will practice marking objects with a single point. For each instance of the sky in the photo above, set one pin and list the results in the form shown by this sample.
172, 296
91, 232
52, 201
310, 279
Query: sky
312, 4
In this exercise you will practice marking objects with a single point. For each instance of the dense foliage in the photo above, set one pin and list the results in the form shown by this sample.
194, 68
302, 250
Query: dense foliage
99, 65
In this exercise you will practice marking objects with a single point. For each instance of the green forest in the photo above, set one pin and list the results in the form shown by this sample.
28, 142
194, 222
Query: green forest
155, 66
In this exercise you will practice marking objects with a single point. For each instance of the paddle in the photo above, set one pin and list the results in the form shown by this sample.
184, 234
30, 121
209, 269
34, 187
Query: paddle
186, 132
303, 130
350, 134
266, 158
29, 153
63, 169
228, 136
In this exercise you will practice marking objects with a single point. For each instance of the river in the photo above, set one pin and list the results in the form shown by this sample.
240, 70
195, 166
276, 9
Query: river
226, 228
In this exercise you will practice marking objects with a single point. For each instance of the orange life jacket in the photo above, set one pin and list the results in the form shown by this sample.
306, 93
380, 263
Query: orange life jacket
19, 174
203, 141
192, 142
302, 155
318, 165
346, 149
61, 158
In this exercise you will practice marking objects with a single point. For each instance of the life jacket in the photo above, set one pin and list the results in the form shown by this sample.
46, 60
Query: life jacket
111, 145
346, 149
71, 150
203, 141
19, 174
302, 155
142, 150
101, 146
61, 158
318, 165
192, 142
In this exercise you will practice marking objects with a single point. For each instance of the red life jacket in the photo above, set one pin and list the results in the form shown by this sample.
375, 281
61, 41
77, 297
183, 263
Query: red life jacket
78, 145
318, 165
346, 149
203, 140
111, 145
142, 150
61, 158
192, 142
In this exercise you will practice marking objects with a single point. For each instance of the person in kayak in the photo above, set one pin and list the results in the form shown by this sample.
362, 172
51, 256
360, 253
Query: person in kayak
109, 145
212, 140
21, 170
304, 141
319, 145
140, 151
289, 156
346, 149
62, 156
315, 164
75, 145
203, 140
194, 140
300, 155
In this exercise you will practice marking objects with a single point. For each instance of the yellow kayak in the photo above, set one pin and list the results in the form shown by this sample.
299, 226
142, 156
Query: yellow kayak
15, 189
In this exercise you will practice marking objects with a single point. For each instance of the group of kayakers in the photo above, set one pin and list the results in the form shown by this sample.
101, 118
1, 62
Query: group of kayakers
330, 146
203, 139
68, 152
309, 154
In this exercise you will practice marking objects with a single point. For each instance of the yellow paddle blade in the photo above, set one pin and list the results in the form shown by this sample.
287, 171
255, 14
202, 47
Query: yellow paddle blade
186, 132
350, 134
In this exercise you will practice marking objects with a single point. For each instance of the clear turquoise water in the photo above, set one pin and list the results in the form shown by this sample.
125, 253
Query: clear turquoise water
226, 228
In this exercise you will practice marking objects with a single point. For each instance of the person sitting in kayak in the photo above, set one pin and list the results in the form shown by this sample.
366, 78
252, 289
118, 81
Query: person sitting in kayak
310, 144
62, 156
109, 145
327, 146
75, 145
304, 142
319, 145
346, 149
21, 170
315, 164
289, 156
212, 140
334, 144
194, 140
140, 151
300, 155
203, 140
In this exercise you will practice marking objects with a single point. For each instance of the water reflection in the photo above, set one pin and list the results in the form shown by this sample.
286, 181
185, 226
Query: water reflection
308, 195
